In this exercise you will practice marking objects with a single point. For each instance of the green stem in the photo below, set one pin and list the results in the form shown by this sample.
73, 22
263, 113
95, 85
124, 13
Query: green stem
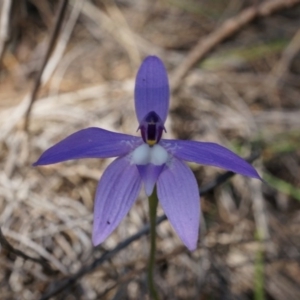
153, 200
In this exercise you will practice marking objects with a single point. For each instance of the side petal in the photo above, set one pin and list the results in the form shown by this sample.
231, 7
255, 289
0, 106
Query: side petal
209, 154
116, 192
89, 143
152, 89
178, 195
149, 174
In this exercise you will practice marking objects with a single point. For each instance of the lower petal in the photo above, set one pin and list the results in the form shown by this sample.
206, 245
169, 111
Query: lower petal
178, 195
116, 192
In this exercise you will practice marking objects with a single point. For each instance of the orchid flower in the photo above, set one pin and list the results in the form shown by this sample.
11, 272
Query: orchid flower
148, 160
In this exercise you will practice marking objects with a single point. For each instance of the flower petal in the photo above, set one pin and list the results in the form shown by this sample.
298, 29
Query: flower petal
89, 143
116, 192
149, 174
209, 154
178, 195
152, 89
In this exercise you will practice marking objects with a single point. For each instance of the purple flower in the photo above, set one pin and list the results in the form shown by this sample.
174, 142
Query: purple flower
147, 159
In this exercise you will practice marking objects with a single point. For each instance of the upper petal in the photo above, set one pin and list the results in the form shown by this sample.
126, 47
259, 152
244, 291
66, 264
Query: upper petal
89, 143
116, 192
209, 154
152, 89
178, 195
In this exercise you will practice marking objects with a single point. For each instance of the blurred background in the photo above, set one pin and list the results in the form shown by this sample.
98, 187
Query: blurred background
234, 67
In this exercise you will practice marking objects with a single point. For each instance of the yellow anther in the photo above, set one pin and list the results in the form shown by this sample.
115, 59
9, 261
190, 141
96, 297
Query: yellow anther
151, 142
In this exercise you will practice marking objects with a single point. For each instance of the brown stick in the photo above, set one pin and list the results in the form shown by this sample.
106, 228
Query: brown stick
227, 29
54, 34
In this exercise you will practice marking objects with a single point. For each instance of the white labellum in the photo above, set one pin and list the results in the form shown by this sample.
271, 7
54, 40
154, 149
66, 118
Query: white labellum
144, 154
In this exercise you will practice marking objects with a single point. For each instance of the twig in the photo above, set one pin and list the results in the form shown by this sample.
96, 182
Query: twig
145, 230
130, 275
54, 34
227, 29
6, 245
4, 25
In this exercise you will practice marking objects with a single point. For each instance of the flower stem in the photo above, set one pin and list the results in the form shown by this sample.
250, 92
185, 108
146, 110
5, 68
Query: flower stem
153, 200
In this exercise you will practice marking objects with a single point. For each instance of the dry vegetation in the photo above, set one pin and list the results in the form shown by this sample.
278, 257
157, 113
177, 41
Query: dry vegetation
242, 92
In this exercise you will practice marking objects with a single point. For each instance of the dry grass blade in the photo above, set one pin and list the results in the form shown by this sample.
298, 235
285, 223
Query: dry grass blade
4, 25
283, 65
54, 34
37, 248
46, 213
8, 247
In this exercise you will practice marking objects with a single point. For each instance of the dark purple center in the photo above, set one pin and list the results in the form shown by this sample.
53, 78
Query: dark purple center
151, 128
